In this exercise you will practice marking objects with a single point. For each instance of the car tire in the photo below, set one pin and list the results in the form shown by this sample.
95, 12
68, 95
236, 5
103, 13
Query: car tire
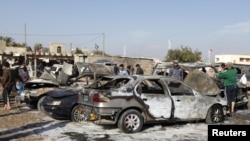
40, 106
131, 121
215, 114
78, 114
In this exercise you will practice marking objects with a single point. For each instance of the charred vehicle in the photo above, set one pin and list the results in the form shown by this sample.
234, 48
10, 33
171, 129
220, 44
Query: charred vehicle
132, 101
69, 76
211, 70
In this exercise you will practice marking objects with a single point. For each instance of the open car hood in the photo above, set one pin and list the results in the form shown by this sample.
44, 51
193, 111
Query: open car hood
202, 83
83, 69
63, 75
91, 69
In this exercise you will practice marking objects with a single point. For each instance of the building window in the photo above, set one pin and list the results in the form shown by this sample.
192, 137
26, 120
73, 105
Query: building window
59, 49
242, 59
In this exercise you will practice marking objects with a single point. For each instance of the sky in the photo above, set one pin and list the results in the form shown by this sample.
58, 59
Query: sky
135, 28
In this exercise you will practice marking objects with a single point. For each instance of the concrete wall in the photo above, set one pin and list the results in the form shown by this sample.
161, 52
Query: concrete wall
146, 64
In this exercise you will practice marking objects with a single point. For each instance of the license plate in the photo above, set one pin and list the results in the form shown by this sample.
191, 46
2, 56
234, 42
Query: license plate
85, 98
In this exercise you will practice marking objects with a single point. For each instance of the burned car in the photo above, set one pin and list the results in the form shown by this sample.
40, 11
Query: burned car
69, 76
211, 70
66, 103
132, 101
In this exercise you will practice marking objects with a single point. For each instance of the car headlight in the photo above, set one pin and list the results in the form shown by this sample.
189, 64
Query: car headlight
33, 92
56, 103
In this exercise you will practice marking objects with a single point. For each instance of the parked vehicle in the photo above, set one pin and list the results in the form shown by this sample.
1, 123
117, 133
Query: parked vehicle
131, 101
70, 76
105, 62
55, 69
35, 90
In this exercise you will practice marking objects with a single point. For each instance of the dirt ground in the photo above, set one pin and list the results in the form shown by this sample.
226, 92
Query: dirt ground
20, 123
18, 118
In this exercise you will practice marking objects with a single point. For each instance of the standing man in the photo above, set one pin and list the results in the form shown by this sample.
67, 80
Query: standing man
123, 71
139, 70
229, 78
116, 69
6, 84
176, 71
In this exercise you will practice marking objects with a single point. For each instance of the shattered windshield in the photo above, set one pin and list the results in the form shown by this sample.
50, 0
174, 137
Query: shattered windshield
109, 83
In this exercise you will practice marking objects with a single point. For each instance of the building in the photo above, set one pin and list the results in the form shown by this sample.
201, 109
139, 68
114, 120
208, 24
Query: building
8, 53
236, 59
57, 53
57, 48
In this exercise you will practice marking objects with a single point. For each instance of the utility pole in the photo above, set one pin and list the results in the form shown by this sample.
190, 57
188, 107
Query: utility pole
25, 47
70, 47
103, 48
169, 44
209, 56
96, 47
35, 63
124, 51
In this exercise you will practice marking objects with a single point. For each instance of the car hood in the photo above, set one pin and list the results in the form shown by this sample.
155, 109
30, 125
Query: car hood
202, 83
63, 75
41, 82
90, 69
64, 92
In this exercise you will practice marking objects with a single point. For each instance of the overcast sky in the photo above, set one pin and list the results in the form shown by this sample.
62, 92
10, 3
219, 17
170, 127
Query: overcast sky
145, 28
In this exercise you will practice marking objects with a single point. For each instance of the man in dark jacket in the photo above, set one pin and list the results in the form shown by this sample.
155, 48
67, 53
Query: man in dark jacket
6, 84
139, 70
176, 71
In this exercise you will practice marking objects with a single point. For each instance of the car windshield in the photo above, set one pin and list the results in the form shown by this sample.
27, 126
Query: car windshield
109, 83
53, 68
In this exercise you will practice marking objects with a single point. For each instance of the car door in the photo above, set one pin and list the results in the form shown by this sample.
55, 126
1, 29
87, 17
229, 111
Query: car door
153, 95
187, 104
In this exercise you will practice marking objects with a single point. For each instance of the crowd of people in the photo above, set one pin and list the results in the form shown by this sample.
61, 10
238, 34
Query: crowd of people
15, 80
129, 70
12, 79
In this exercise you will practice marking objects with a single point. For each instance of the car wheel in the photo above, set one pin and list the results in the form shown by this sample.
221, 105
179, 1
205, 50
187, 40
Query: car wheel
78, 114
215, 114
40, 104
131, 121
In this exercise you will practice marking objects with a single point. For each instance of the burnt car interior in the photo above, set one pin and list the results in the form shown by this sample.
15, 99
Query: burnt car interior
150, 86
179, 89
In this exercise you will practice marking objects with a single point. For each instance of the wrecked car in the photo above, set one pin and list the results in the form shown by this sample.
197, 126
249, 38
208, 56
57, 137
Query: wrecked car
69, 76
132, 101
210, 70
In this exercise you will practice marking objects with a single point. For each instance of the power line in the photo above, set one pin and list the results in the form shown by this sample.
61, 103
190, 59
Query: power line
89, 41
